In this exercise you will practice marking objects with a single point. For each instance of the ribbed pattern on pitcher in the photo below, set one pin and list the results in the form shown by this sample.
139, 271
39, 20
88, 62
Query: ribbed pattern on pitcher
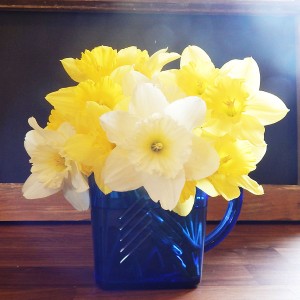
140, 245
155, 234
134, 229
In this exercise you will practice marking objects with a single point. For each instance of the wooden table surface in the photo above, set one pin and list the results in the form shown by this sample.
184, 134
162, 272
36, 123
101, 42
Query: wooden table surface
55, 261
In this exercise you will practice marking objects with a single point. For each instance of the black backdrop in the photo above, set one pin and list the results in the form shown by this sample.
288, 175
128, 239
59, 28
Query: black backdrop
32, 43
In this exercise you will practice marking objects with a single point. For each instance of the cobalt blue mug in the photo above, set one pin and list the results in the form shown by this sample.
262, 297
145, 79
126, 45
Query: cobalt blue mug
138, 245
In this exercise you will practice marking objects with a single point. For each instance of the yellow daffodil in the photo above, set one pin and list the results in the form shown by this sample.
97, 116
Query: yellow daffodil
101, 61
71, 100
52, 169
237, 159
155, 146
82, 106
154, 64
237, 106
90, 146
94, 64
196, 71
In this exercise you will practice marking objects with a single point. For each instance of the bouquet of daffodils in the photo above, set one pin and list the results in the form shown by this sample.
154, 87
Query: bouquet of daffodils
132, 124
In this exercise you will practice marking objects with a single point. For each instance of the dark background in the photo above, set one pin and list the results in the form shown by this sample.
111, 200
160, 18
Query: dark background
32, 43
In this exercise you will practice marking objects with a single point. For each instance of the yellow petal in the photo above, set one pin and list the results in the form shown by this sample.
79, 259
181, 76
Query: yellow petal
246, 69
249, 129
194, 54
250, 185
227, 189
267, 108
167, 82
156, 62
184, 208
187, 199
207, 187
73, 70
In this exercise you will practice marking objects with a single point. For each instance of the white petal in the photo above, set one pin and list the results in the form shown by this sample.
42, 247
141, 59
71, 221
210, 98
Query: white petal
78, 180
132, 80
246, 69
188, 112
267, 108
165, 190
46, 136
167, 82
118, 174
203, 161
33, 189
80, 201
147, 100
32, 140
193, 54
118, 125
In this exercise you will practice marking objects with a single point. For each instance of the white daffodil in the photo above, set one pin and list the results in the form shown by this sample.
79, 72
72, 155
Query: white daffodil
156, 147
52, 170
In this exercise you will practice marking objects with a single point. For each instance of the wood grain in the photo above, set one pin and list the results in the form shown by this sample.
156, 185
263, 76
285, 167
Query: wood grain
158, 6
55, 261
278, 203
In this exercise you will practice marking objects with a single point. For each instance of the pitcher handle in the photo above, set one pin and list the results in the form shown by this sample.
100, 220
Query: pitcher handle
226, 224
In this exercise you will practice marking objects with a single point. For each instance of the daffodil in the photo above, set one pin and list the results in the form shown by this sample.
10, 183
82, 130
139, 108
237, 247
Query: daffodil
196, 71
237, 106
154, 64
237, 159
102, 61
52, 170
155, 146
70, 101
90, 146
93, 65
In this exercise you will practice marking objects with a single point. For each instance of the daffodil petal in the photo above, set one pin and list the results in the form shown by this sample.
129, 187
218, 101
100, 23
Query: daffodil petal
267, 108
184, 208
188, 112
226, 189
80, 201
118, 174
132, 80
147, 100
33, 189
246, 69
203, 161
193, 54
40, 135
250, 185
72, 69
118, 125
158, 60
165, 190
99, 179
167, 82
78, 180
249, 129
207, 187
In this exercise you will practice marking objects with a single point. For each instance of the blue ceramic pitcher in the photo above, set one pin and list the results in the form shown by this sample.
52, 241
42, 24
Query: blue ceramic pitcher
138, 245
